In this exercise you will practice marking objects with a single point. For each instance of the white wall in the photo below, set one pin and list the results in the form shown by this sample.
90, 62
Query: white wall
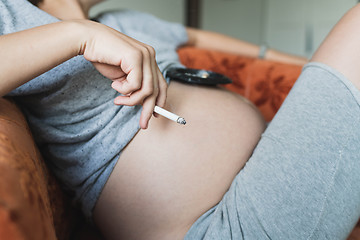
170, 10
238, 18
294, 26
299, 27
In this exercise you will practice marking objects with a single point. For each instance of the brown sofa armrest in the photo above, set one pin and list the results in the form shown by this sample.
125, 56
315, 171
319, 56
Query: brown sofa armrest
24, 203
32, 204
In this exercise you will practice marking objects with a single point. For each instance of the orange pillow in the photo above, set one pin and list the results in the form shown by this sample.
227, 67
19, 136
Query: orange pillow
264, 83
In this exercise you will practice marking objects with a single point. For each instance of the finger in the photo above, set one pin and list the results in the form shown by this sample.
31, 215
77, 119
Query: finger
110, 71
134, 71
155, 72
147, 111
156, 87
123, 86
129, 100
148, 83
161, 98
138, 97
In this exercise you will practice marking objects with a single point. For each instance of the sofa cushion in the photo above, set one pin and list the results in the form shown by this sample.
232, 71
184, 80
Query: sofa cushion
21, 215
264, 83
24, 202
8, 217
32, 204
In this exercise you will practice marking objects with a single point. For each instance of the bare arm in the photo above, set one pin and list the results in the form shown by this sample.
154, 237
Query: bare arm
29, 53
129, 63
220, 42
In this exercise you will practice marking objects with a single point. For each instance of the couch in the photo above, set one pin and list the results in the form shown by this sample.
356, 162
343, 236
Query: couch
32, 204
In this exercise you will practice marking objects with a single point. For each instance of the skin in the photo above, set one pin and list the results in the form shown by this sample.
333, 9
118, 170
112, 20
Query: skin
129, 63
145, 181
159, 194
168, 175
338, 51
216, 41
197, 37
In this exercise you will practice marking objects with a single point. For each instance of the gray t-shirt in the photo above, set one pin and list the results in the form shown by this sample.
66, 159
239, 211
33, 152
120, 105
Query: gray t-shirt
70, 108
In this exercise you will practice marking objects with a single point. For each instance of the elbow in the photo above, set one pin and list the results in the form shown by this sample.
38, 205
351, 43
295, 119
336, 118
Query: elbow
192, 36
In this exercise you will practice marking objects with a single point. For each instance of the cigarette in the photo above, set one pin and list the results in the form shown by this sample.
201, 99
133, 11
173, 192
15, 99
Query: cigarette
169, 115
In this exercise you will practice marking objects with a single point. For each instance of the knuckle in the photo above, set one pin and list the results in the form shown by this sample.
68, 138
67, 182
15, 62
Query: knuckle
136, 85
162, 88
144, 50
148, 111
133, 85
151, 51
125, 92
149, 90
136, 54
136, 101
156, 91
148, 50
163, 85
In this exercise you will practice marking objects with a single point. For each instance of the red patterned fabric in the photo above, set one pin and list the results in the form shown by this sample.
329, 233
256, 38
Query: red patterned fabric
263, 82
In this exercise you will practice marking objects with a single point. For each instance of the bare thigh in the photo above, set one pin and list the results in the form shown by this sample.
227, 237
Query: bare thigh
341, 48
169, 174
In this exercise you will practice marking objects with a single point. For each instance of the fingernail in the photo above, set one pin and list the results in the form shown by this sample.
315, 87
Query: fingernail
115, 85
117, 101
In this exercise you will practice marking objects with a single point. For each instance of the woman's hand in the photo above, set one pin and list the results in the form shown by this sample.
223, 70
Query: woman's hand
130, 64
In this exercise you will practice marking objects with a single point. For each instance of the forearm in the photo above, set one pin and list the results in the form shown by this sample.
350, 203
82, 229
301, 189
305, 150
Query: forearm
220, 42
129, 63
27, 54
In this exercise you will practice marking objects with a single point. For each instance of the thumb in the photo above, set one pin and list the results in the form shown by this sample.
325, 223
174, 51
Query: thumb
110, 71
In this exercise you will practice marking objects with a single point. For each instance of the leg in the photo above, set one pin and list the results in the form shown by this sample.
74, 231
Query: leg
302, 182
341, 49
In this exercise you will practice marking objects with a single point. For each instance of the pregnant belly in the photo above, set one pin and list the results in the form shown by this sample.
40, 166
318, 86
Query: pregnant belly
170, 174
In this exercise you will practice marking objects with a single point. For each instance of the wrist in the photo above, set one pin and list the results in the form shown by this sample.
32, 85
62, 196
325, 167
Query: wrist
77, 33
262, 51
